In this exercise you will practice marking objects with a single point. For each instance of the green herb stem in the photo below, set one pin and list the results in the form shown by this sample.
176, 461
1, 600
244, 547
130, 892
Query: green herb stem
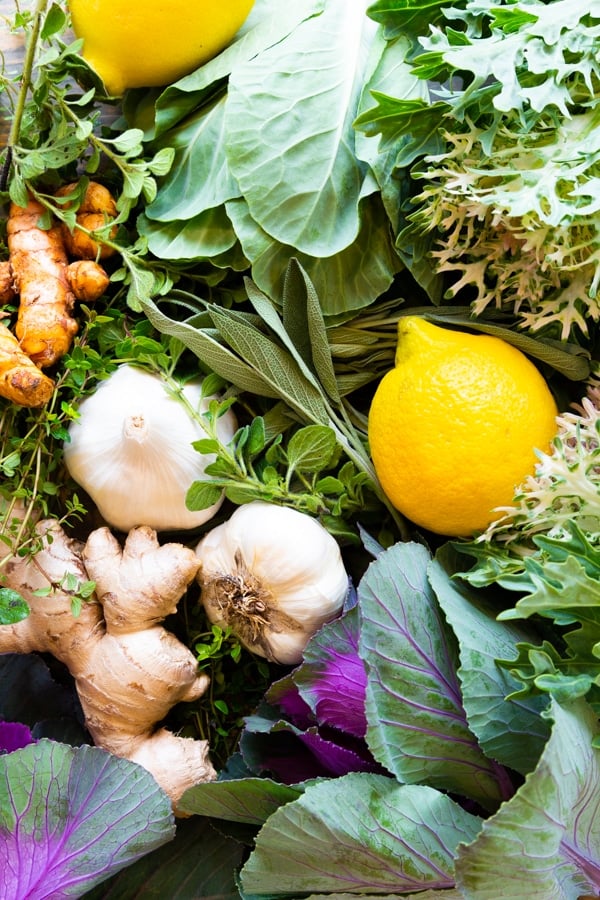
30, 49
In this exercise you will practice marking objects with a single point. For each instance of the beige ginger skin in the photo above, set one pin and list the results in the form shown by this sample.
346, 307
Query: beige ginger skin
129, 670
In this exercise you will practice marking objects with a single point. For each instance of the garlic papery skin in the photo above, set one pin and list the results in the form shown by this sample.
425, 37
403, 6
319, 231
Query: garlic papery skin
274, 576
131, 450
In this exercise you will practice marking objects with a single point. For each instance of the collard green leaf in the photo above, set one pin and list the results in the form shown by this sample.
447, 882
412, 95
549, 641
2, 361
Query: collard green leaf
209, 235
71, 817
200, 178
359, 833
510, 731
290, 140
547, 836
265, 26
345, 281
418, 726
249, 800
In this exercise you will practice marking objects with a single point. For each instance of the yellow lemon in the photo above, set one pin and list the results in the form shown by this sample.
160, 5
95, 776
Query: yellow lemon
454, 426
152, 43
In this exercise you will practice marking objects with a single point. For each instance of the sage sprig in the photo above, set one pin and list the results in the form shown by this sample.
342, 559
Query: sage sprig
284, 357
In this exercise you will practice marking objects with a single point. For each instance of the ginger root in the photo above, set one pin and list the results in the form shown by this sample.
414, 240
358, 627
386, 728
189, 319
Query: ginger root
128, 670
21, 381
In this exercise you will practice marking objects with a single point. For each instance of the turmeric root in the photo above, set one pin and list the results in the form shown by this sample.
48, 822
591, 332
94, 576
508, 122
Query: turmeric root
128, 670
7, 290
38, 261
95, 211
21, 381
87, 279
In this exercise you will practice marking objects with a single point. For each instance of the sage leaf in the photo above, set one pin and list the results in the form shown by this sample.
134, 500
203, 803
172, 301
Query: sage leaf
266, 309
274, 364
220, 359
303, 320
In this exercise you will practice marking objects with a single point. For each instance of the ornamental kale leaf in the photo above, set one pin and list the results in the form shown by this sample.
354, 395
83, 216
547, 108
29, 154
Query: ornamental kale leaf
509, 190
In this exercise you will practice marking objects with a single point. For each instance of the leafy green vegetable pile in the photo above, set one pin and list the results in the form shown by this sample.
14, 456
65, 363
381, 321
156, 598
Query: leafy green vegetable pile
279, 209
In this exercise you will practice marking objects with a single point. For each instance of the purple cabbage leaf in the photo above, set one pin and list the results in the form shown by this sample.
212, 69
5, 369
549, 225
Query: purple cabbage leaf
545, 841
360, 833
332, 679
14, 736
418, 726
72, 816
272, 745
312, 722
510, 729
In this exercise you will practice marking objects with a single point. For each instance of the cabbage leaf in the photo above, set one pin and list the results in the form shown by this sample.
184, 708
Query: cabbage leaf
418, 727
72, 816
546, 840
362, 832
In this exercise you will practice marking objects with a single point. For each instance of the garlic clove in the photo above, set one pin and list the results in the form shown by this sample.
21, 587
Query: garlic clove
274, 575
132, 451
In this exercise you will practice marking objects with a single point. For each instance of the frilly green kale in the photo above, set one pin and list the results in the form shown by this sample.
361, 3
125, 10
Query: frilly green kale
508, 168
547, 549
563, 493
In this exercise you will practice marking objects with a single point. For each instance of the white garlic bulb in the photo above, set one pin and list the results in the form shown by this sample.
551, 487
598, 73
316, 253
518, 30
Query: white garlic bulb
131, 450
274, 576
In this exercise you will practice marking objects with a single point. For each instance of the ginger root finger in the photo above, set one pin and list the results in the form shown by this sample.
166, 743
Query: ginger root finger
96, 209
51, 626
139, 584
45, 327
21, 381
87, 279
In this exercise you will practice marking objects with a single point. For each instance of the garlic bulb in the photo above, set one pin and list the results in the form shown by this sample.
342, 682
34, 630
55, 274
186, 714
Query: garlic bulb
274, 575
131, 451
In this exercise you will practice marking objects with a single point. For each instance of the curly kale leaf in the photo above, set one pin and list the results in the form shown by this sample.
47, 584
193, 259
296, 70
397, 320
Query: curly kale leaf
510, 204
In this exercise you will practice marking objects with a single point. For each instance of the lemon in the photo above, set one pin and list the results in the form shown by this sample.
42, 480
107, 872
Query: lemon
454, 426
131, 43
